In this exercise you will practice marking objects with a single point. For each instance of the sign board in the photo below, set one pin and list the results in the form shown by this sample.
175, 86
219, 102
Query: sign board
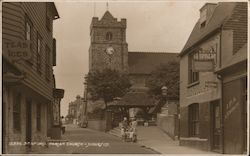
212, 84
204, 59
18, 50
203, 66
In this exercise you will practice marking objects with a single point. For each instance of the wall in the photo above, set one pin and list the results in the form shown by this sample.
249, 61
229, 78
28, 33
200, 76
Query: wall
168, 124
98, 57
99, 125
199, 93
14, 29
12, 135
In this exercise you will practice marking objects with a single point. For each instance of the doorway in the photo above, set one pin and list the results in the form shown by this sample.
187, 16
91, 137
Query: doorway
216, 126
28, 122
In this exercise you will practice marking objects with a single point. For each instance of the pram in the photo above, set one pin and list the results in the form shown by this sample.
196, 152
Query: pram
129, 134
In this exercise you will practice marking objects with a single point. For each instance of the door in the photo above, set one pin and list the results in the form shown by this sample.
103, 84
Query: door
216, 126
28, 122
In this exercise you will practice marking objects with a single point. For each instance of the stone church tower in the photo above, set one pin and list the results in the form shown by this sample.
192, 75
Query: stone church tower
108, 47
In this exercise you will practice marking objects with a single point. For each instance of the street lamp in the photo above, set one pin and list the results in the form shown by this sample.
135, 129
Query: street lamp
164, 91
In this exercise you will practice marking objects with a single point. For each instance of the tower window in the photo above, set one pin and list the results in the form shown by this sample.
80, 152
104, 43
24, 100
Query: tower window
109, 36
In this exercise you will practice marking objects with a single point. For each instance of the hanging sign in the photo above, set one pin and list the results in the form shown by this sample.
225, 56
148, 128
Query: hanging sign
18, 50
204, 59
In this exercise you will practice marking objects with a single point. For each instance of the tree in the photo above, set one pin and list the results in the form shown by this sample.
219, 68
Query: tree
164, 75
107, 84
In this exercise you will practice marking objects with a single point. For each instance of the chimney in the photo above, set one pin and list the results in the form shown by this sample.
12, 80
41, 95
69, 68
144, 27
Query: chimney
206, 13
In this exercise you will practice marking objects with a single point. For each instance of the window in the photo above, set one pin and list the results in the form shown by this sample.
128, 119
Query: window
47, 63
193, 75
17, 112
193, 112
109, 36
48, 23
27, 29
203, 24
28, 35
203, 18
38, 117
39, 50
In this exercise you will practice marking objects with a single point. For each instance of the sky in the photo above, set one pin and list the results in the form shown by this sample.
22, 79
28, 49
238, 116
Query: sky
151, 26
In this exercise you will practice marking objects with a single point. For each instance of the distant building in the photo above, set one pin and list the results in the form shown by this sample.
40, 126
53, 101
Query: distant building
29, 54
76, 110
109, 49
213, 112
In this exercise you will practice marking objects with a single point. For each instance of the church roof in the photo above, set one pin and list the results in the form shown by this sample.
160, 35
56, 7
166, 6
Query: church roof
135, 99
146, 62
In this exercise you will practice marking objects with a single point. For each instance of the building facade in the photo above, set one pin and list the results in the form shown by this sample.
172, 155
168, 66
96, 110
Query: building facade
28, 55
212, 99
77, 110
108, 48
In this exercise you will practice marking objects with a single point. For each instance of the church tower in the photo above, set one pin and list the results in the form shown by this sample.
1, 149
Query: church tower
108, 46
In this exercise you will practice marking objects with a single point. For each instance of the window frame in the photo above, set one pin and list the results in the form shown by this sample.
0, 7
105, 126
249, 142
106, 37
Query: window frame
193, 120
193, 77
29, 22
16, 112
48, 23
109, 36
47, 62
39, 54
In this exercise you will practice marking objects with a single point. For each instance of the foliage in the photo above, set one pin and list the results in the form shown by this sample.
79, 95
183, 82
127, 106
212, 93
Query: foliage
165, 74
107, 84
98, 113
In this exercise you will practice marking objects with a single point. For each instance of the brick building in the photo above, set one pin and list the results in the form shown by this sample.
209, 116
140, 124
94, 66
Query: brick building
109, 49
213, 99
28, 58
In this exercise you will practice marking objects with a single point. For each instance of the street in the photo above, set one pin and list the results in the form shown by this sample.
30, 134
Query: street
94, 142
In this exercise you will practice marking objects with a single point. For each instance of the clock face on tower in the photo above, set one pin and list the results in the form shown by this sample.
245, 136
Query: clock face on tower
110, 51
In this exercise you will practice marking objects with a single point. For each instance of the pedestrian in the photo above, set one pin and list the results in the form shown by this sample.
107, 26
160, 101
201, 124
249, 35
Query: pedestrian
133, 125
124, 126
61, 125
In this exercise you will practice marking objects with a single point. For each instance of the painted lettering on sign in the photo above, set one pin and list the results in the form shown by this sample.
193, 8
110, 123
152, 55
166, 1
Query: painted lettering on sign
231, 107
18, 50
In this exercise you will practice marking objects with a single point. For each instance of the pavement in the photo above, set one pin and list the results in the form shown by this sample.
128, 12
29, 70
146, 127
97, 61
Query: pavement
87, 141
158, 140
154, 138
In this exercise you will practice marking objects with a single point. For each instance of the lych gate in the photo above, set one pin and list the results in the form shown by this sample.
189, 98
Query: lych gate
118, 109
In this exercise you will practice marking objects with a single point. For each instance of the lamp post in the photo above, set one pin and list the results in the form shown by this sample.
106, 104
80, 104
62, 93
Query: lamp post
164, 91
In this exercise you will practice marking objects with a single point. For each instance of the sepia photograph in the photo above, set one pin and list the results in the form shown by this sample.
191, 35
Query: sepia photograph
124, 77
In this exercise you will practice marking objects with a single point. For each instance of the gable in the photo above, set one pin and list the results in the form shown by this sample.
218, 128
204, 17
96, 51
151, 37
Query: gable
221, 13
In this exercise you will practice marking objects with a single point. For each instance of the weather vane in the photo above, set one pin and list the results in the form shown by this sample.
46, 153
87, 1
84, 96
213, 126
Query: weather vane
107, 5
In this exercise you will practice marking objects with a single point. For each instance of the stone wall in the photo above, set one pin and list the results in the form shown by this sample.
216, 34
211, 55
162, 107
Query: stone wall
99, 125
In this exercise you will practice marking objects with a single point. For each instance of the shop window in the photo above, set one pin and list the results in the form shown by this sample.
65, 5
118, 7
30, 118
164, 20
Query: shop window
39, 51
193, 112
193, 76
47, 63
17, 112
38, 117
109, 36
